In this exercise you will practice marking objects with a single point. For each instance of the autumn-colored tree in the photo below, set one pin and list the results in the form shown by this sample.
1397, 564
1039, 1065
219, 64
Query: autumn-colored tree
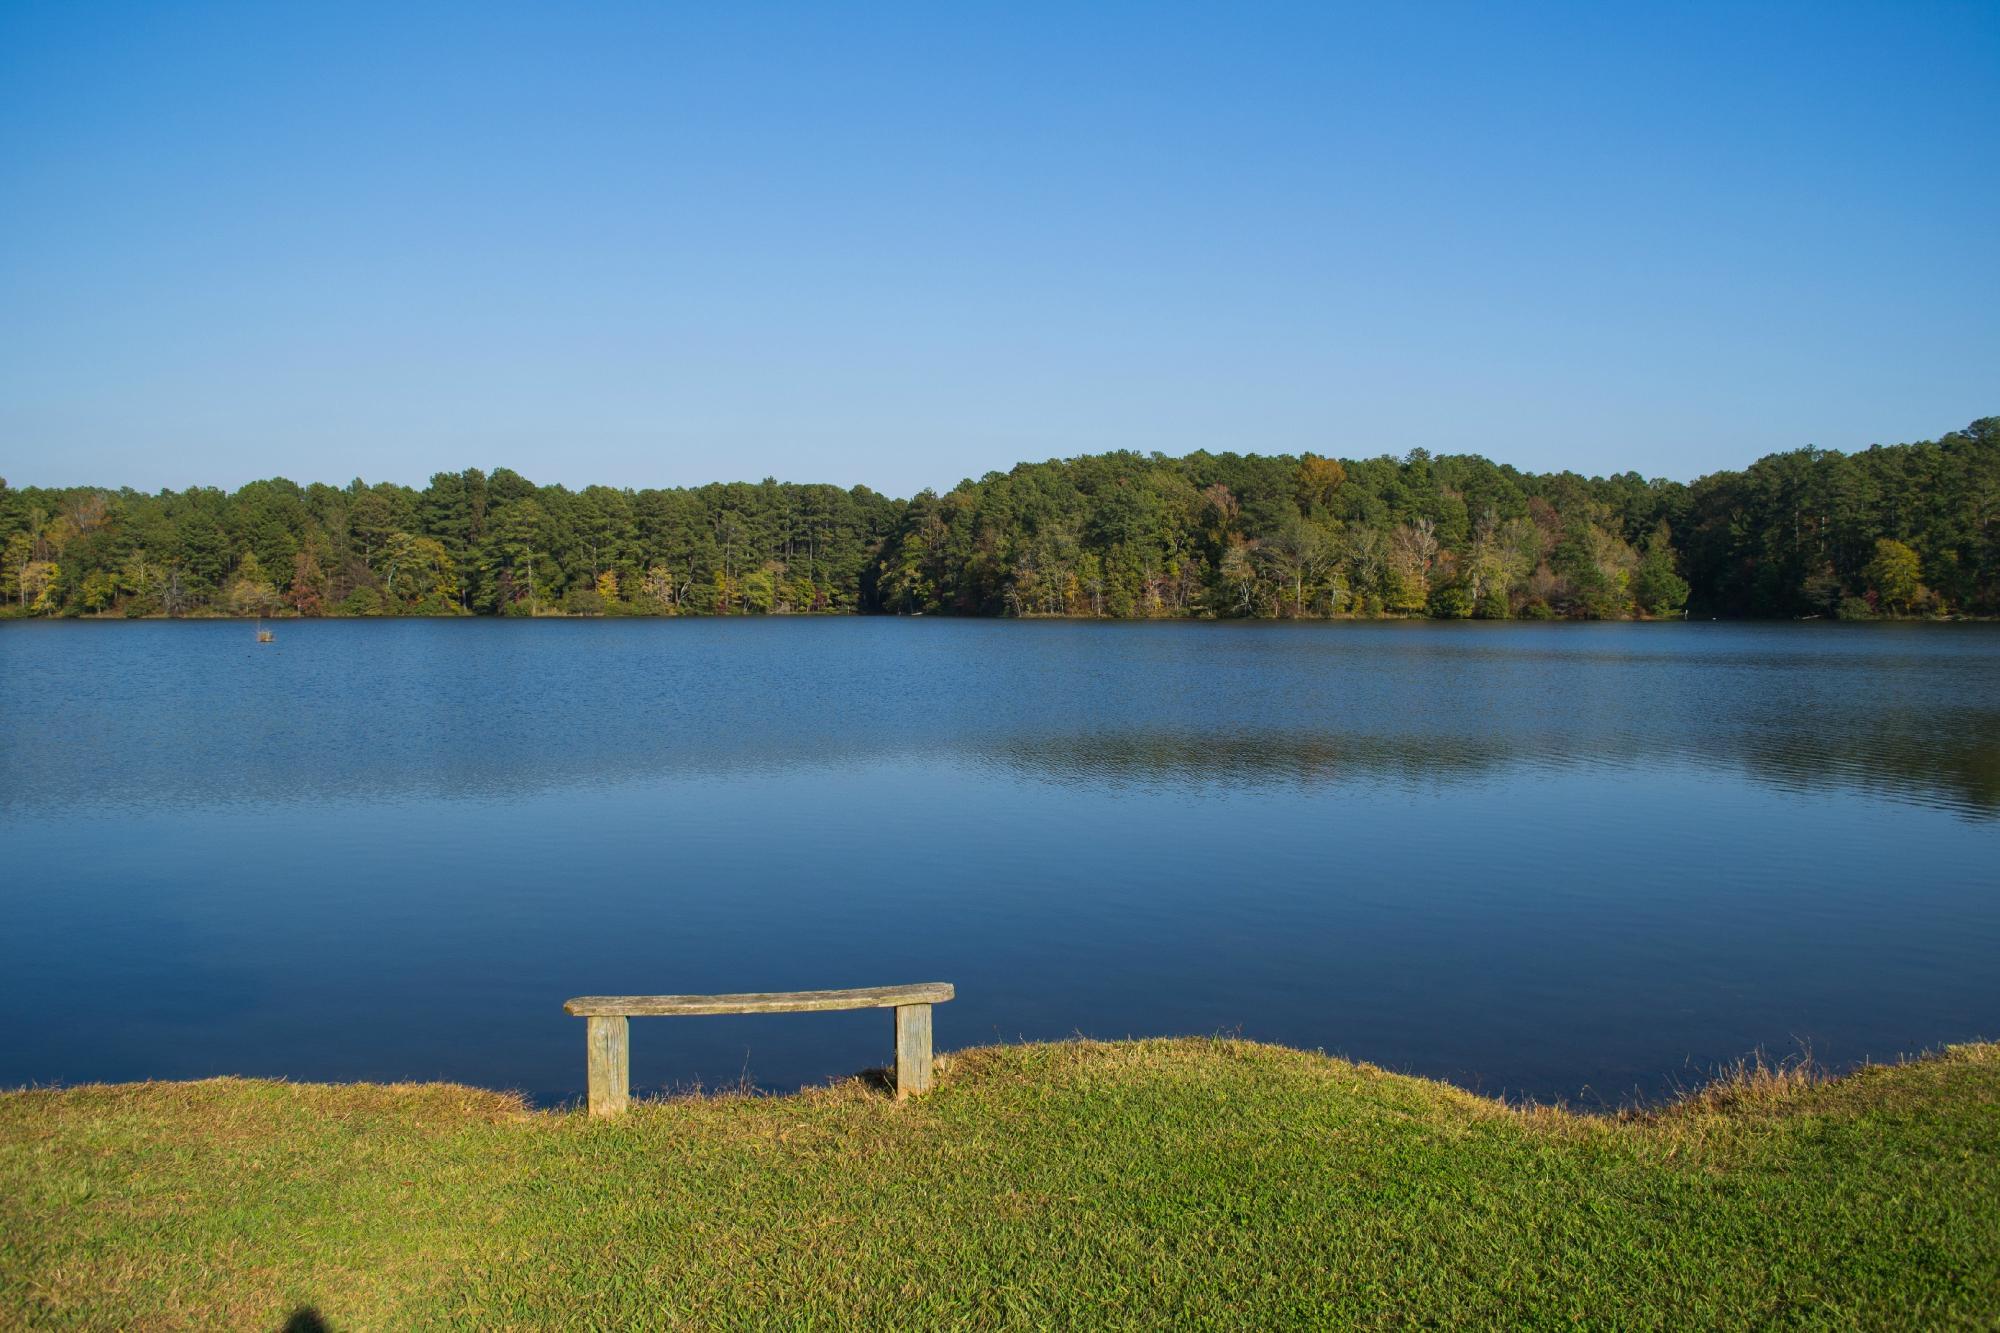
1318, 481
57, 534
100, 589
250, 593
659, 588
1412, 548
87, 512
38, 585
418, 573
1499, 557
308, 589
1896, 574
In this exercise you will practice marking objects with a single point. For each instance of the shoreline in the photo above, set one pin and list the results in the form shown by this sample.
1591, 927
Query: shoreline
1753, 1074
10, 616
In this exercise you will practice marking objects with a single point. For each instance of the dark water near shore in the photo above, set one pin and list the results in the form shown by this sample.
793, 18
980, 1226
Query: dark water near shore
1578, 861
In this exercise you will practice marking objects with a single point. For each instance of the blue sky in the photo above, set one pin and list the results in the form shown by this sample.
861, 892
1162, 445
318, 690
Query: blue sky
899, 245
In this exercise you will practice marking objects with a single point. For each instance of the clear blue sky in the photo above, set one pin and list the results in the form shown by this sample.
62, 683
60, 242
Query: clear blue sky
670, 243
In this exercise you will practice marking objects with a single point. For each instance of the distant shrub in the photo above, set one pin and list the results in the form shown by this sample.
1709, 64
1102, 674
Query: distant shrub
1453, 601
1855, 608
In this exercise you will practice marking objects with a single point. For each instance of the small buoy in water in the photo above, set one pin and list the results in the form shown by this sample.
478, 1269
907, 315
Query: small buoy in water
265, 636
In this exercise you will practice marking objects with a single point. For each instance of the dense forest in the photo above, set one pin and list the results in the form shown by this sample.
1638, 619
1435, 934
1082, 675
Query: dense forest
1909, 529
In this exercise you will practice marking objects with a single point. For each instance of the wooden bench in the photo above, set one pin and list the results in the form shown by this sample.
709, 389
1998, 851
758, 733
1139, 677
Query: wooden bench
607, 1035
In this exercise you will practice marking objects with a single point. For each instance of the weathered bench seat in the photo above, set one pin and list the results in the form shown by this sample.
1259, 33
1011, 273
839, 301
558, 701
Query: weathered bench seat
608, 1043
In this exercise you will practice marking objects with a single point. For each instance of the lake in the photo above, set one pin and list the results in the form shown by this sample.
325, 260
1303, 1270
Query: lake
1587, 862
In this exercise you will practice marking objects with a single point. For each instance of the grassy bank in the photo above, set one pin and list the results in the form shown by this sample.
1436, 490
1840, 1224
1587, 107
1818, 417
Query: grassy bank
1079, 1183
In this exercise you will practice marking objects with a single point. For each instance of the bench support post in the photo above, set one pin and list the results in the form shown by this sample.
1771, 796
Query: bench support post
608, 1060
913, 1049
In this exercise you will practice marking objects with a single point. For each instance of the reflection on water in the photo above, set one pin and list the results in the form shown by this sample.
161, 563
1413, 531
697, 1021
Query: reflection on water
1563, 860
1960, 771
195, 714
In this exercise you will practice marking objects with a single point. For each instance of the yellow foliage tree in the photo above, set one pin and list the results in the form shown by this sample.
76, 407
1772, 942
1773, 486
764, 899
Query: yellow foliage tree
1318, 481
38, 585
1897, 575
250, 593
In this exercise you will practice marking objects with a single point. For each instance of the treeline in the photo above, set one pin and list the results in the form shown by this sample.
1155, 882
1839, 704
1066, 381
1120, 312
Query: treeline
1893, 530
468, 543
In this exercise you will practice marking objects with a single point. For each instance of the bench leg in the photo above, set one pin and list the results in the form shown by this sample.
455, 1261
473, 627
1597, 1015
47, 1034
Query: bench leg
608, 1060
913, 1049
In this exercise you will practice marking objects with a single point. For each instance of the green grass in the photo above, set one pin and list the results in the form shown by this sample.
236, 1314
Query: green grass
1078, 1184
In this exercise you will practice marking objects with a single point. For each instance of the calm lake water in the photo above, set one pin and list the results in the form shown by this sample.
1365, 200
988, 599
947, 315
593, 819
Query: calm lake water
1575, 861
